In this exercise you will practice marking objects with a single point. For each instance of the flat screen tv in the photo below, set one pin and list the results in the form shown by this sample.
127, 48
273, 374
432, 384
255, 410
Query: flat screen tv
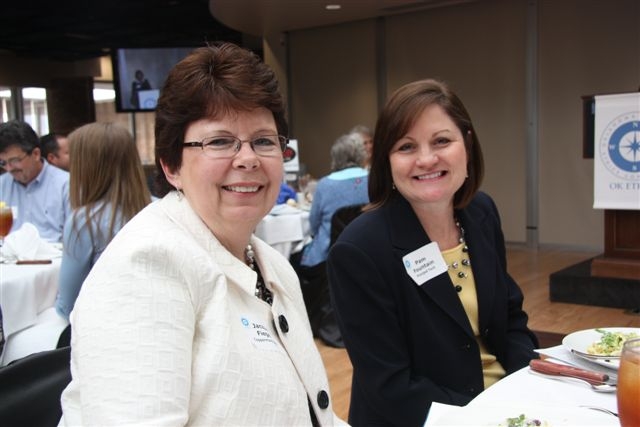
139, 73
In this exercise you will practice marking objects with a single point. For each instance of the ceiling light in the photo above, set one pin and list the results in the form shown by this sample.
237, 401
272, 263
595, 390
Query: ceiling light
333, 7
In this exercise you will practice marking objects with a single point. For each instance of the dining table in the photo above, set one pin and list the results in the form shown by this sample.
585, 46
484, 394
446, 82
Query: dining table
26, 291
558, 401
285, 228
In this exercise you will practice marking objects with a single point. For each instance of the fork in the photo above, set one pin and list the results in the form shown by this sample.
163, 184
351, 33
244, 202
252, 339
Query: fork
598, 408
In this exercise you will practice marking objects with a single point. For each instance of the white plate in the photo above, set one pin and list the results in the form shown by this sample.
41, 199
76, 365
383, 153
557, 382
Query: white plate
494, 416
581, 340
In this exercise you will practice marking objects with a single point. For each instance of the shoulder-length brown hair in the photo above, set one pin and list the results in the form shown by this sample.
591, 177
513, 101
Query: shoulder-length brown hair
105, 168
398, 116
211, 82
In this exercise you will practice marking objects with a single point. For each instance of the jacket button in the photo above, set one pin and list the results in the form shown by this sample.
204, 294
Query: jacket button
458, 288
284, 325
323, 399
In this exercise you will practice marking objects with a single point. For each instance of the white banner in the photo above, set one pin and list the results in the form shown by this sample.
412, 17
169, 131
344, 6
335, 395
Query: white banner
616, 156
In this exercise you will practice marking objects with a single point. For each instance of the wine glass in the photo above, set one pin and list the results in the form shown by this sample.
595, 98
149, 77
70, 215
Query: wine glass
628, 393
6, 221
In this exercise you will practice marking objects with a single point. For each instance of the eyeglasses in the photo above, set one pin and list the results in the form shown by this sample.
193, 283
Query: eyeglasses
225, 147
12, 161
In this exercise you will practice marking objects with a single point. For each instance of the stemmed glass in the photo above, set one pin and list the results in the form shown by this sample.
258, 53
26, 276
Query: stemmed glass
628, 393
6, 221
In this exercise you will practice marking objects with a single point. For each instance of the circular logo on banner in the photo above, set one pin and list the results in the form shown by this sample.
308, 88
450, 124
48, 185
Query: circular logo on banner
619, 146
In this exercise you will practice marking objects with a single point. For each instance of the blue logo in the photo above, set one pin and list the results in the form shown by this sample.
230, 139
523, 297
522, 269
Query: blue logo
407, 264
620, 147
245, 322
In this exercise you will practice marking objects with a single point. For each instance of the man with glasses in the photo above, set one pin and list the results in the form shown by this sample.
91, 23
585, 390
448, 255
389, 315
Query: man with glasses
38, 191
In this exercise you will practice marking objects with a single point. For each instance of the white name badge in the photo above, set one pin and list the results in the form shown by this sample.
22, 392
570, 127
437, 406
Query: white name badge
425, 263
259, 335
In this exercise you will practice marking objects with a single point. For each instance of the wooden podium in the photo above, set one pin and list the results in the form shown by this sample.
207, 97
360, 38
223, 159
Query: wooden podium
621, 258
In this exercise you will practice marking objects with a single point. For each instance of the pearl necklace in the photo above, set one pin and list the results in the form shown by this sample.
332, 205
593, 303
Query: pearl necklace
465, 262
261, 289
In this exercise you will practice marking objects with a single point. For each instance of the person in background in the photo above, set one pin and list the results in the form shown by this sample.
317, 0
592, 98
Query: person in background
187, 318
138, 84
38, 191
103, 198
427, 309
345, 185
286, 193
55, 150
367, 140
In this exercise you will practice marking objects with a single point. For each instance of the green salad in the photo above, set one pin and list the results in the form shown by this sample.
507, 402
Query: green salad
523, 421
610, 343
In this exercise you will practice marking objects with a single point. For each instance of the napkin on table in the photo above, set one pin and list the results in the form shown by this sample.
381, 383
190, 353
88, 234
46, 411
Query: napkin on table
26, 244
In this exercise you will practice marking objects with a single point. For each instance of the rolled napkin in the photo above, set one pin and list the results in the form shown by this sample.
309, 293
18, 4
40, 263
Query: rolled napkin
25, 243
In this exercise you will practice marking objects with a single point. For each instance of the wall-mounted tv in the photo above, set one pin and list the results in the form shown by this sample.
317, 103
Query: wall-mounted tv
139, 74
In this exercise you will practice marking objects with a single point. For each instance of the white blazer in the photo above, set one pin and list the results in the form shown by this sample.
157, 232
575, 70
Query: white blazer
167, 331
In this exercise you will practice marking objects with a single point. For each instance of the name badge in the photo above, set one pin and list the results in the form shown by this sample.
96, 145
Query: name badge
259, 335
425, 263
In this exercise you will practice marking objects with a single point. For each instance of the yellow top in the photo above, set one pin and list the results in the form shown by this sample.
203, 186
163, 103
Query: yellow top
492, 370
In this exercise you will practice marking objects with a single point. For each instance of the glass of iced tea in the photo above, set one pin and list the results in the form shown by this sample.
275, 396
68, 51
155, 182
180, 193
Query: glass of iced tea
629, 384
6, 220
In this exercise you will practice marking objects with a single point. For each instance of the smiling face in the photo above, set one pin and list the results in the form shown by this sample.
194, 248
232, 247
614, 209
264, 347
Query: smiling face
233, 192
429, 163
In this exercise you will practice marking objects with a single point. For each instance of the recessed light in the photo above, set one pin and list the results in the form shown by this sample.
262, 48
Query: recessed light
333, 7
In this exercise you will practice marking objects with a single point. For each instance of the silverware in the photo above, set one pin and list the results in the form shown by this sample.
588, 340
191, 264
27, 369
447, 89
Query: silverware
598, 408
551, 368
601, 388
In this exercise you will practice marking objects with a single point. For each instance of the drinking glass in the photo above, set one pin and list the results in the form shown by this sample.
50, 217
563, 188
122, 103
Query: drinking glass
628, 393
6, 221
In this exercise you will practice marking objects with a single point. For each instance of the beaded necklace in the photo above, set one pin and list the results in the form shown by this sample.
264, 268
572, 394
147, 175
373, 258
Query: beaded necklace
261, 289
464, 264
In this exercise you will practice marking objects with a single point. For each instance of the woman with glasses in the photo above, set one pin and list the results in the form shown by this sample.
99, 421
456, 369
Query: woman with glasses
188, 318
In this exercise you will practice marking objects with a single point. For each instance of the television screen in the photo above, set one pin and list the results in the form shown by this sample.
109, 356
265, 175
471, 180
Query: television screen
139, 73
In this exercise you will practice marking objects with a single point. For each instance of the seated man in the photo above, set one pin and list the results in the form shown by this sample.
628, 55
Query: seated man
55, 150
39, 191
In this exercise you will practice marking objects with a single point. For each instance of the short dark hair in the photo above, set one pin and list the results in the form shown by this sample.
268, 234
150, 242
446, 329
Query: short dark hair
49, 144
211, 82
398, 116
17, 132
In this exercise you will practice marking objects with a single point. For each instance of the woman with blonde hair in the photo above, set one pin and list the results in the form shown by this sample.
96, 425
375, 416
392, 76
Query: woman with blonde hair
107, 188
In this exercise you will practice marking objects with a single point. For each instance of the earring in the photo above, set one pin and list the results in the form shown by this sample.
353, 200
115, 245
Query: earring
393, 185
180, 194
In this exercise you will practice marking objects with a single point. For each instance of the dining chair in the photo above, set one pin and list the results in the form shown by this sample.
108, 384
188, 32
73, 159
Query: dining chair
30, 388
315, 285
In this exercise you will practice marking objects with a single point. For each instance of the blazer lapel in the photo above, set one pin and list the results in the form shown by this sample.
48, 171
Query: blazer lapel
407, 235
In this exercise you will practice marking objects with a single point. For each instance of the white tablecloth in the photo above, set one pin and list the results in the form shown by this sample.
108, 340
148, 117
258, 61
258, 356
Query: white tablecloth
557, 402
25, 292
285, 229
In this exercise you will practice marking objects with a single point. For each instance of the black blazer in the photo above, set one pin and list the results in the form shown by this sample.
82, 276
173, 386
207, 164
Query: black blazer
412, 345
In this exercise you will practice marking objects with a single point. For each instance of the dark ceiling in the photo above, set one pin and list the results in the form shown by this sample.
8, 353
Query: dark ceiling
70, 30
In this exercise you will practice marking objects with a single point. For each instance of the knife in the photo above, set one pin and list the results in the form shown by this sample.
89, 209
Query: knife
550, 368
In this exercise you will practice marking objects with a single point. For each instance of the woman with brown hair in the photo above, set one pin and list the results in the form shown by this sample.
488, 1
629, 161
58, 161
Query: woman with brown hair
188, 318
427, 309
107, 188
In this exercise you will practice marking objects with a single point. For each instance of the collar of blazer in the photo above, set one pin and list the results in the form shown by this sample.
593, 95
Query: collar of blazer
238, 272
407, 235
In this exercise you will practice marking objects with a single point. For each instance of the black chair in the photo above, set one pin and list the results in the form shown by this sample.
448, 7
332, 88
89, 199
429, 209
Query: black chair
341, 218
315, 285
30, 388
